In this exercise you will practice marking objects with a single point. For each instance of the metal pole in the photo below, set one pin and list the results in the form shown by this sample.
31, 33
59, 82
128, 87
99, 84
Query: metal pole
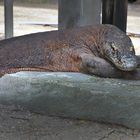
8, 9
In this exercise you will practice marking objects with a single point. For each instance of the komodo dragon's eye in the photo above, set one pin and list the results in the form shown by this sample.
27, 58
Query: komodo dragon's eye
113, 48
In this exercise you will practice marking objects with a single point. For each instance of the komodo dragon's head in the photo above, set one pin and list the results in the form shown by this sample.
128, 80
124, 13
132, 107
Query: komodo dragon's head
119, 49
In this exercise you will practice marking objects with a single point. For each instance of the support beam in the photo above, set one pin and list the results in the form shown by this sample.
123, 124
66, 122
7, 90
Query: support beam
115, 12
120, 14
107, 11
74, 13
8, 8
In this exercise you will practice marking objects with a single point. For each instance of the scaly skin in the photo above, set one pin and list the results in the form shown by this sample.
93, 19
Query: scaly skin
102, 50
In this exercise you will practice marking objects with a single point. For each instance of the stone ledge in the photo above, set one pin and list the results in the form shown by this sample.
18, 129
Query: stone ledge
74, 95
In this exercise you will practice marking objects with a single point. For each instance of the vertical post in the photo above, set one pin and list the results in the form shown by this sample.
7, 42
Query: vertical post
74, 13
68, 13
120, 14
115, 12
107, 11
8, 9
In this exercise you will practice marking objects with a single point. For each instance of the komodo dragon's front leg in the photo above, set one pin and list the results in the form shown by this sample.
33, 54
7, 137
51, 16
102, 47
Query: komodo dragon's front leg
98, 66
101, 67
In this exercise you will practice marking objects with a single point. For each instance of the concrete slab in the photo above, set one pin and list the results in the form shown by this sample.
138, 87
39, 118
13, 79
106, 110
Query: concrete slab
74, 95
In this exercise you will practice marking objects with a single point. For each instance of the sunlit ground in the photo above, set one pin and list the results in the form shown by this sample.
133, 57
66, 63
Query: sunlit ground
25, 19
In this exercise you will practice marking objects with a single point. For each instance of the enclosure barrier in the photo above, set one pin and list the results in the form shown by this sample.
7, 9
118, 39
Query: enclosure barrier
73, 13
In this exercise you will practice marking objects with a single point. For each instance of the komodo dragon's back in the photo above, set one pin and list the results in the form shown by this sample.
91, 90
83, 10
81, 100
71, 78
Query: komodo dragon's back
58, 50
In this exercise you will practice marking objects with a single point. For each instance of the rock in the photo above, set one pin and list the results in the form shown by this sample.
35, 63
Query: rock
74, 95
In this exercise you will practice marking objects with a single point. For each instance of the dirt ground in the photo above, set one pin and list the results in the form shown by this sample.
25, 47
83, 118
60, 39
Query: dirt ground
19, 124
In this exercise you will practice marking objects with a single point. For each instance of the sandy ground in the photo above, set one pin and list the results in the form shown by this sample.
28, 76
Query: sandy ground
25, 17
19, 124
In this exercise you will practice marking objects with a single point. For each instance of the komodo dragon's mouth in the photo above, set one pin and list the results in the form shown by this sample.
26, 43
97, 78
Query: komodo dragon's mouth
121, 55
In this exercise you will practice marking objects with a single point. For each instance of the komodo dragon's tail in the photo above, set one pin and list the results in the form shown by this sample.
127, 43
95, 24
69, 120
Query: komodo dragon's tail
14, 70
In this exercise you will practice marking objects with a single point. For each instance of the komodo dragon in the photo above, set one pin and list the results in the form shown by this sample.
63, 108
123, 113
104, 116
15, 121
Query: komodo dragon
102, 50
